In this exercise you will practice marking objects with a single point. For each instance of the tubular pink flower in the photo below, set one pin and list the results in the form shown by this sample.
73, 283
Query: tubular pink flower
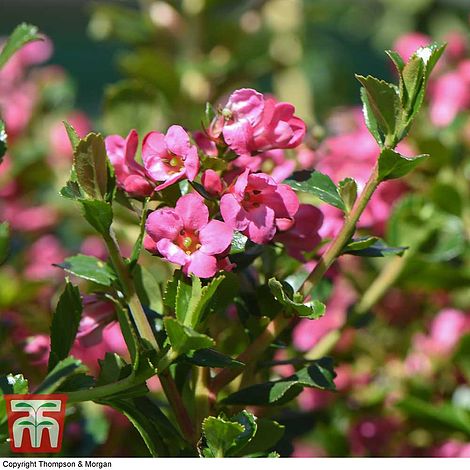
255, 203
185, 236
130, 175
171, 157
255, 123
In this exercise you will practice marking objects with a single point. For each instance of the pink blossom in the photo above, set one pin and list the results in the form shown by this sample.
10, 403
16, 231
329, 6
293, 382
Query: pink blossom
38, 348
255, 204
212, 182
94, 246
26, 218
42, 255
171, 157
130, 175
407, 44
255, 123
206, 144
451, 449
185, 236
96, 315
450, 94
448, 327
302, 237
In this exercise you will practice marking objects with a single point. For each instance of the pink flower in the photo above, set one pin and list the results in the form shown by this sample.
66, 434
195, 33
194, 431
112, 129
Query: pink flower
303, 236
96, 315
255, 123
451, 449
206, 144
42, 256
185, 236
407, 44
38, 348
255, 205
448, 327
212, 182
130, 175
171, 157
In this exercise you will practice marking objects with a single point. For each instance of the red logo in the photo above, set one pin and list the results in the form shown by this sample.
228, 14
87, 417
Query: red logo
36, 422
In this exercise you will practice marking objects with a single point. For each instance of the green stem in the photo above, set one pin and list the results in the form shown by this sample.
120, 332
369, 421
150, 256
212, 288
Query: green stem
201, 395
280, 322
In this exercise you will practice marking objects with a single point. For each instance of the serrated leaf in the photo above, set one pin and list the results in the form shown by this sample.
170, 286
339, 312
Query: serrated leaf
90, 268
320, 375
71, 191
20, 36
370, 119
220, 435
319, 185
384, 103
64, 324
394, 165
348, 192
99, 214
72, 135
284, 294
90, 163
212, 358
268, 434
63, 370
184, 339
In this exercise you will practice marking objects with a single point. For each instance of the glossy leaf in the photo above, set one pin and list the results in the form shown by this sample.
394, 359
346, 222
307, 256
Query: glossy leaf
184, 339
90, 268
394, 165
220, 435
319, 185
65, 322
212, 358
62, 371
348, 192
284, 294
99, 215
320, 375
20, 36
372, 247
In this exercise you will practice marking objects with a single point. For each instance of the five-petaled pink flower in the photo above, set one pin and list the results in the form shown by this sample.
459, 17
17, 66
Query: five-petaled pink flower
171, 157
130, 175
256, 204
256, 123
185, 236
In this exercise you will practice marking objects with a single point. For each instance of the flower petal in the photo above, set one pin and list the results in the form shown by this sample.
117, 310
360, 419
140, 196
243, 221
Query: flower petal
164, 223
262, 227
215, 237
171, 252
177, 140
201, 265
233, 213
193, 211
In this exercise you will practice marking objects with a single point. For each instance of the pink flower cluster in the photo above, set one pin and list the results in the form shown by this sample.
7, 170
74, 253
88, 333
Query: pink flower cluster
249, 136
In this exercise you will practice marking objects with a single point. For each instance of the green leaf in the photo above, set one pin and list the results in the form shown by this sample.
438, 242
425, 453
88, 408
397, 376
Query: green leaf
268, 434
159, 435
319, 374
212, 358
148, 289
412, 76
348, 192
284, 294
72, 135
72, 191
436, 415
9, 385
220, 435
90, 268
248, 421
393, 165
65, 323
319, 185
64, 369
370, 119
184, 293
4, 241
3, 140
184, 339
21, 35
238, 243
372, 247
90, 163
383, 102
99, 214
